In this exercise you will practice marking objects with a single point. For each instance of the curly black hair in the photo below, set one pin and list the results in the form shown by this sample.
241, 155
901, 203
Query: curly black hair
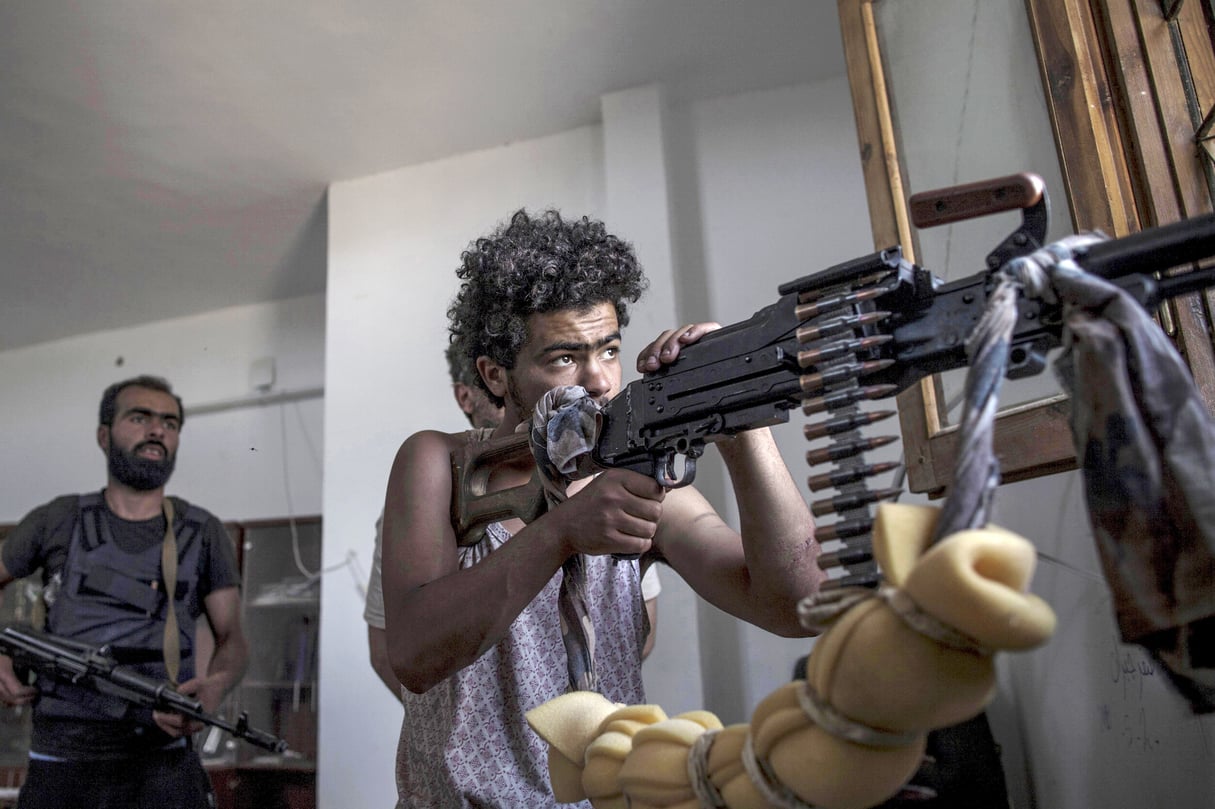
458, 367
536, 264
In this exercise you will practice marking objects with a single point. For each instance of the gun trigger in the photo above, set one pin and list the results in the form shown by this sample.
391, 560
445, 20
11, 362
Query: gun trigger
665, 473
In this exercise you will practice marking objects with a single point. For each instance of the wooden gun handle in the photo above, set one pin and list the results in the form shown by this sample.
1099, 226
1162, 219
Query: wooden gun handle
945, 205
472, 508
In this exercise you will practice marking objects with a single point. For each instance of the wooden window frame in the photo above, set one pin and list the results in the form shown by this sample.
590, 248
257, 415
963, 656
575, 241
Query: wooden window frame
1125, 144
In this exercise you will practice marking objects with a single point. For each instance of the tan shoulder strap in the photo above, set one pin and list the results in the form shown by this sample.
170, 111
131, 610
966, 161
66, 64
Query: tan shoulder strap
168, 569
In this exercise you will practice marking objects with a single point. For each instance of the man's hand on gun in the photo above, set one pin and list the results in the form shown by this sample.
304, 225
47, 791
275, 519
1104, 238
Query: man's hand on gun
617, 512
665, 349
12, 690
194, 700
176, 724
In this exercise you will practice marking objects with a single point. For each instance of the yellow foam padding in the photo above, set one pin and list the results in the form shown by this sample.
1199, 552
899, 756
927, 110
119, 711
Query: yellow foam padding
778, 700
605, 755
641, 714
978, 582
726, 771
706, 719
873, 668
825, 771
690, 803
618, 801
568, 723
565, 777
656, 771
901, 533
694, 803
830, 773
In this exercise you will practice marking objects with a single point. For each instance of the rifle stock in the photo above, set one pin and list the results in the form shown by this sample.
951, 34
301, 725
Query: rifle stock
472, 506
93, 668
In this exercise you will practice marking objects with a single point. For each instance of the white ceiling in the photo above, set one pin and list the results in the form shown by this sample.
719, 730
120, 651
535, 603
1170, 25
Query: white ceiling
160, 158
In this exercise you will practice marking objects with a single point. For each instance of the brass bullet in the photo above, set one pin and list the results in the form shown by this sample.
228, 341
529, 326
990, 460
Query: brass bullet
843, 323
847, 449
845, 423
842, 398
842, 477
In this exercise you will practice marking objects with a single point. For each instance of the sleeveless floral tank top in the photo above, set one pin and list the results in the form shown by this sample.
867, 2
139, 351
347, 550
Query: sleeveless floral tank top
465, 742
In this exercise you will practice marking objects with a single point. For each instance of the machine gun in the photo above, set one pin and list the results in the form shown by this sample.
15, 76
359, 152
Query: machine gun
865, 329
96, 669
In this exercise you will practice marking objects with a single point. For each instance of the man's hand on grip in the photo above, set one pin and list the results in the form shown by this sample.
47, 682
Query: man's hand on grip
12, 690
617, 512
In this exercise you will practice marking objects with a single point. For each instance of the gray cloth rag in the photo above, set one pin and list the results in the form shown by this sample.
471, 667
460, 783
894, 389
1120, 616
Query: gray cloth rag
1146, 446
565, 425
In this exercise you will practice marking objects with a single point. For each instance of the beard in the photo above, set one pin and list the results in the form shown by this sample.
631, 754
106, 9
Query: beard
140, 474
516, 398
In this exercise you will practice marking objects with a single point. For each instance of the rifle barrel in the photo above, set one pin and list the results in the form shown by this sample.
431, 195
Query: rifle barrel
79, 663
1153, 250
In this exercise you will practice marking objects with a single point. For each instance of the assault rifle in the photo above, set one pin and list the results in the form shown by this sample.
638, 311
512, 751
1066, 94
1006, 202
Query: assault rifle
864, 329
96, 669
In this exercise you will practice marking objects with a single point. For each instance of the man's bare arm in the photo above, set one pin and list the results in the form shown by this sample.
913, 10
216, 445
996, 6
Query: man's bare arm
761, 571
227, 665
377, 645
12, 690
447, 616
231, 654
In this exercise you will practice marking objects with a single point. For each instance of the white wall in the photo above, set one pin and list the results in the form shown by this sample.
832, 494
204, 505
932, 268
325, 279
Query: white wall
657, 175
231, 462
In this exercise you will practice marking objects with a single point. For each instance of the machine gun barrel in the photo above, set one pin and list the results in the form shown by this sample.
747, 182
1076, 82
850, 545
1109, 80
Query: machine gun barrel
750, 374
1153, 250
863, 329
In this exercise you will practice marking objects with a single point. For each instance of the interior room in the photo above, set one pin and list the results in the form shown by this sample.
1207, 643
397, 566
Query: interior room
265, 203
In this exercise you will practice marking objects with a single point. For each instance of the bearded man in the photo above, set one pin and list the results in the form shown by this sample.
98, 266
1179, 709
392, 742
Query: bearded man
109, 580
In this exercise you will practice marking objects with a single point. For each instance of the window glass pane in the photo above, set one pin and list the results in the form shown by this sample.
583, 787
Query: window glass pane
968, 104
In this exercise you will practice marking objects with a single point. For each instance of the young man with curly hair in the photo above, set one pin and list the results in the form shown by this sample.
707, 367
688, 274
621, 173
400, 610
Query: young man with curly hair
481, 413
476, 633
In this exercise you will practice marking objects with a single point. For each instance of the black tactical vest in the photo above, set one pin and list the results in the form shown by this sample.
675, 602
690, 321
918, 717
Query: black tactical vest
106, 598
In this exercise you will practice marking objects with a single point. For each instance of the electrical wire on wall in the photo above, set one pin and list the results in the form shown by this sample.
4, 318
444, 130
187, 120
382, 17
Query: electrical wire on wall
310, 576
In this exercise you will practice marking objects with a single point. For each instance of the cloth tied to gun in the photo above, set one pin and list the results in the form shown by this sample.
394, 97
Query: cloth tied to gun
1146, 447
565, 425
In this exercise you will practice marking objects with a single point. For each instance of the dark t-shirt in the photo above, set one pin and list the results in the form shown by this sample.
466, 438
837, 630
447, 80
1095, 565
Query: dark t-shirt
38, 541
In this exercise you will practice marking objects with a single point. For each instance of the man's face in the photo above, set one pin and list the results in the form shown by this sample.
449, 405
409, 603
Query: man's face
141, 444
567, 348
